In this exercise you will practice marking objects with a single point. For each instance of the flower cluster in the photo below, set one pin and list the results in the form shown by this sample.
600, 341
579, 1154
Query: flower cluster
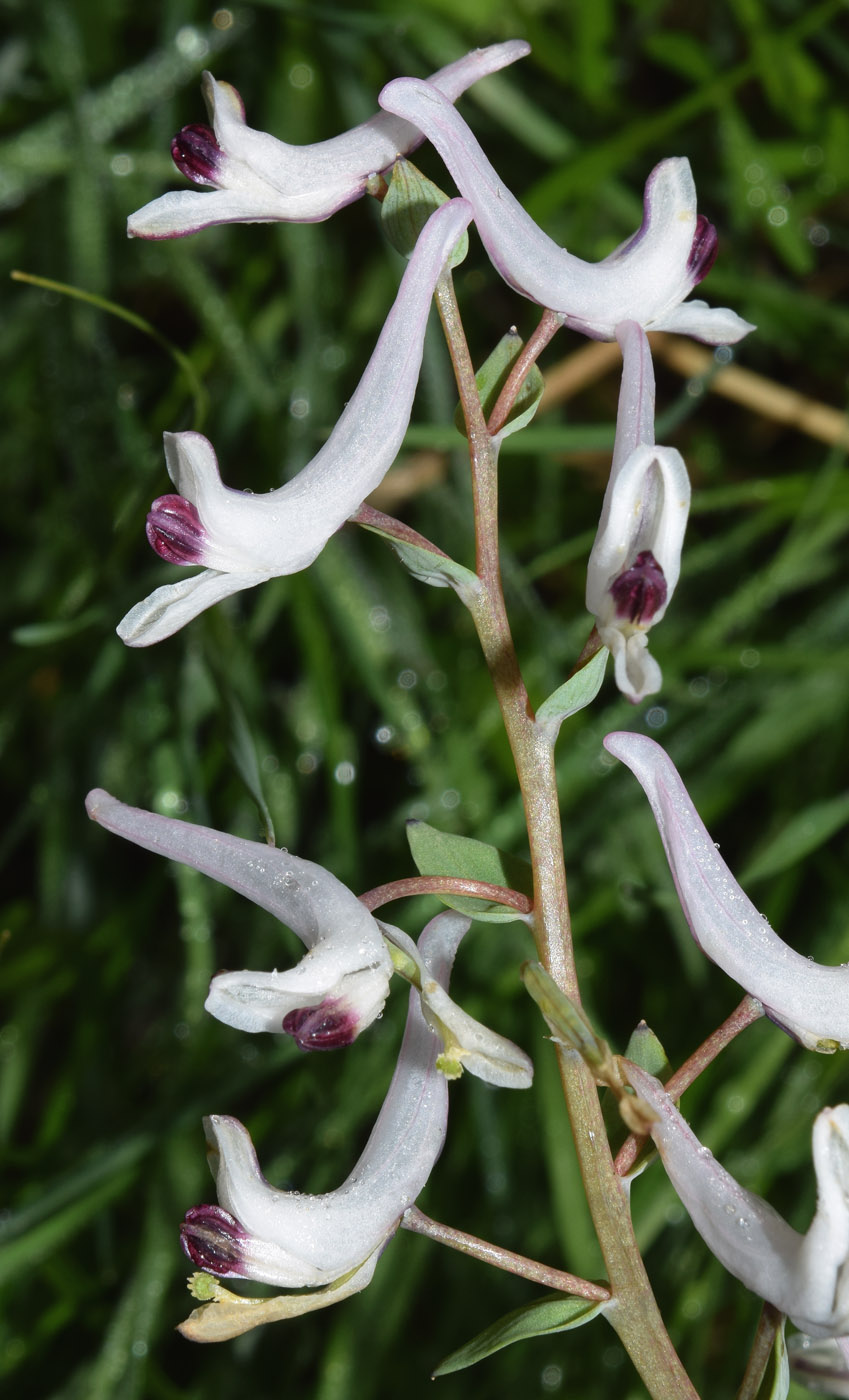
330, 1244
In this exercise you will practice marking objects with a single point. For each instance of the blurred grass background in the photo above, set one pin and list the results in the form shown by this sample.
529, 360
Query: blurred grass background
351, 698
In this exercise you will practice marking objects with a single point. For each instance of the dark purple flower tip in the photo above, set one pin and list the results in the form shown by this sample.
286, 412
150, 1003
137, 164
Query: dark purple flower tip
703, 249
197, 154
640, 591
328, 1026
212, 1239
174, 530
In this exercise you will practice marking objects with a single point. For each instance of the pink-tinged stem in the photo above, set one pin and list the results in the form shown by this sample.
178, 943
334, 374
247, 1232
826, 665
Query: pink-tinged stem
635, 1316
546, 330
414, 1220
749, 1010
368, 516
445, 884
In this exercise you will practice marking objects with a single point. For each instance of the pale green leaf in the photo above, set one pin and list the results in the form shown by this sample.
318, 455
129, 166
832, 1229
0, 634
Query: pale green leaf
439, 853
553, 1313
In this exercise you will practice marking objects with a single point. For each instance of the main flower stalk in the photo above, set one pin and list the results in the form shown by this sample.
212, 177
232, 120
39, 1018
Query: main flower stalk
634, 1312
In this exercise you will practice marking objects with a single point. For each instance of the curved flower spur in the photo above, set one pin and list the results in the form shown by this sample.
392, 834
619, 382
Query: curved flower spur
636, 558
805, 1276
332, 1242
645, 280
808, 1000
244, 539
342, 983
258, 179
336, 990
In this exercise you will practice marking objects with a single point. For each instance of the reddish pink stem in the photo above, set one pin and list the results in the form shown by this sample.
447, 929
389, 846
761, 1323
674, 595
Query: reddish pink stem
445, 884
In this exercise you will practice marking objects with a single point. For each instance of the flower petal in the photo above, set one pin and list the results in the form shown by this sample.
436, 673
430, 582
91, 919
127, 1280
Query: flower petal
261, 179
245, 538
644, 280
467, 1043
298, 1240
805, 998
801, 1275
343, 938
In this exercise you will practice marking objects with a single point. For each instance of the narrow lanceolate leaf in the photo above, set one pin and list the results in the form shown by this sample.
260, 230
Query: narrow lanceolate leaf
491, 378
439, 853
579, 691
553, 1313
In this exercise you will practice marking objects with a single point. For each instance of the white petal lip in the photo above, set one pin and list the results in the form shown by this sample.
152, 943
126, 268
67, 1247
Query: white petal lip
264, 180
644, 280
255, 537
804, 1276
646, 505
312, 1240
483, 1052
343, 938
809, 1000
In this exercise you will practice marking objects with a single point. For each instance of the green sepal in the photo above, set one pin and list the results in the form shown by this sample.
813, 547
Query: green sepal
407, 206
555, 1312
430, 566
491, 378
643, 1049
438, 853
776, 1378
580, 690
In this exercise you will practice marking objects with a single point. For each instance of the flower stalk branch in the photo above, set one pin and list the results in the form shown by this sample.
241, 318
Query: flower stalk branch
445, 884
421, 1224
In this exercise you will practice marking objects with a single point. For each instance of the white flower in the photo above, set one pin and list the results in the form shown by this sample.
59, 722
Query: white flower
258, 179
805, 1276
244, 539
300, 1241
336, 990
805, 998
636, 558
645, 280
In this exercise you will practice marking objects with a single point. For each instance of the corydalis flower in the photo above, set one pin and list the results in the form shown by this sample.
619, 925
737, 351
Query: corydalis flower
645, 280
806, 999
244, 539
300, 1241
258, 179
336, 990
805, 1276
636, 558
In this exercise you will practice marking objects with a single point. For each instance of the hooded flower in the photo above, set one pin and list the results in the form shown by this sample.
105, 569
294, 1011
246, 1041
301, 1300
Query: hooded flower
645, 280
243, 539
300, 1241
636, 558
805, 1276
336, 990
805, 998
258, 179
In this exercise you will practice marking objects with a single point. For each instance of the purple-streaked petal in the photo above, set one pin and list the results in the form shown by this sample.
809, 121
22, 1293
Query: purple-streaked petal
260, 179
347, 957
467, 1044
310, 1241
174, 530
807, 999
249, 538
340, 989
804, 1276
643, 280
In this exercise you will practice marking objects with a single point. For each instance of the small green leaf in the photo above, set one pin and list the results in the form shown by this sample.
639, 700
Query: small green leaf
553, 1313
645, 1050
491, 378
580, 690
429, 565
409, 203
776, 1380
438, 853
564, 1018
